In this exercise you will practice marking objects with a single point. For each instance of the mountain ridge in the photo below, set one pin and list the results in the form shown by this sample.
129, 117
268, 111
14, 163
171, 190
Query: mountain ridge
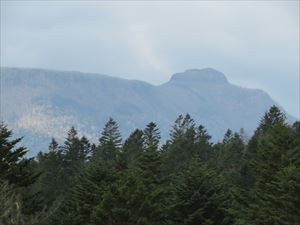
47, 102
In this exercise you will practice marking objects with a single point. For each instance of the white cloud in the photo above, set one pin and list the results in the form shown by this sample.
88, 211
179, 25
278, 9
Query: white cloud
145, 50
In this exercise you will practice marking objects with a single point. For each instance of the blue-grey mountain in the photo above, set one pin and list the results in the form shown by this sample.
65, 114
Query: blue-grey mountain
41, 104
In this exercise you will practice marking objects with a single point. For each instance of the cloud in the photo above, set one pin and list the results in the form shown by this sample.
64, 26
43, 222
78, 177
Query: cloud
145, 50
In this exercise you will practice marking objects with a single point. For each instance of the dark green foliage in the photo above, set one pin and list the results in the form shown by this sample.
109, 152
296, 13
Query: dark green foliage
10, 205
13, 166
273, 197
75, 152
187, 181
133, 147
136, 198
199, 197
18, 171
83, 198
109, 142
181, 148
203, 145
230, 158
151, 137
51, 167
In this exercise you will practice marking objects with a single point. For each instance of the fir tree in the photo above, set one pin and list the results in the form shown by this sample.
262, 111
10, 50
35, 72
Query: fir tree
270, 199
52, 179
17, 170
133, 147
203, 145
13, 165
198, 197
151, 137
181, 147
109, 142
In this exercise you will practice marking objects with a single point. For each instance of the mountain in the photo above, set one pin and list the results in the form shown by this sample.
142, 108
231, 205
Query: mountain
41, 104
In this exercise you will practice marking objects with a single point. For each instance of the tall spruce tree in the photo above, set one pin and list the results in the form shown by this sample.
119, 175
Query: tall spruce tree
181, 147
82, 202
230, 158
14, 167
133, 147
269, 201
51, 182
150, 160
199, 197
138, 197
109, 142
18, 171
73, 154
203, 145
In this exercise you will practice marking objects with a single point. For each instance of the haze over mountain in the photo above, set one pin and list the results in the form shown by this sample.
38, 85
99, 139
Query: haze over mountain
41, 104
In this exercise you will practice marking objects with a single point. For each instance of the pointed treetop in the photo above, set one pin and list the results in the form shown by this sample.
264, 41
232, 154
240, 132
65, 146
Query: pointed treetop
53, 146
272, 117
110, 134
183, 125
72, 134
202, 135
151, 136
228, 135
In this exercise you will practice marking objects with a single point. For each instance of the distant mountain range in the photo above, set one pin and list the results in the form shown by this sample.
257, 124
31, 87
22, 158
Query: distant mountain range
41, 104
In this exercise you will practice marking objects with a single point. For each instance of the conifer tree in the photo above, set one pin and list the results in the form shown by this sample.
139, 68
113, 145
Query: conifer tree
181, 147
230, 158
270, 199
133, 147
150, 160
109, 142
198, 197
73, 157
203, 146
13, 165
52, 179
17, 170
86, 149
10, 205
83, 199
138, 196
151, 137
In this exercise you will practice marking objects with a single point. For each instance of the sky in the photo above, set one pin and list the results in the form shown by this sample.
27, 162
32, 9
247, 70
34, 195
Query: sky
254, 43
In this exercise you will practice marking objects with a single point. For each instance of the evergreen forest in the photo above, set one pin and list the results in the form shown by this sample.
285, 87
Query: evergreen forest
186, 180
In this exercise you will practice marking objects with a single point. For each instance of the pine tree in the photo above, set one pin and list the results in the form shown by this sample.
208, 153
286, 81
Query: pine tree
13, 165
228, 135
230, 158
270, 199
92, 182
181, 147
10, 205
203, 145
151, 137
85, 195
139, 195
52, 179
133, 147
199, 197
150, 160
109, 142
17, 170
86, 149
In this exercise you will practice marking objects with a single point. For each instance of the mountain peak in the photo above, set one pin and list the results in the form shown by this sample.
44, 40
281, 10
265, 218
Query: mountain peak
206, 75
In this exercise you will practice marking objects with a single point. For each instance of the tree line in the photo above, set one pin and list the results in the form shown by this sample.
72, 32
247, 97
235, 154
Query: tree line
186, 181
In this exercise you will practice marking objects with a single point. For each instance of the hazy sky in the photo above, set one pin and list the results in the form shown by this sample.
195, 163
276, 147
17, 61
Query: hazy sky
256, 44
